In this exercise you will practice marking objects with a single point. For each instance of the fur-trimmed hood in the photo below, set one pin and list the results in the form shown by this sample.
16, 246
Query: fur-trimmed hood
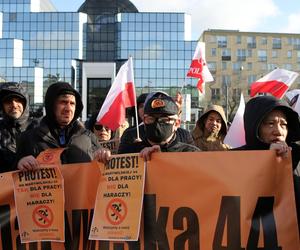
199, 129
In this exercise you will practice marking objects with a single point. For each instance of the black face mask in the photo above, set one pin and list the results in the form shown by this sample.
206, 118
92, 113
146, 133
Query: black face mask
158, 132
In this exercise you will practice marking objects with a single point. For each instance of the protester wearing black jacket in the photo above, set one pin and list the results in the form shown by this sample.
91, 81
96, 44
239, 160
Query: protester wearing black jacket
129, 143
155, 132
15, 109
59, 128
256, 110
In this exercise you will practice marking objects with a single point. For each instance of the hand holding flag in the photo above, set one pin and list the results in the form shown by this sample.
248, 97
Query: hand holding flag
276, 83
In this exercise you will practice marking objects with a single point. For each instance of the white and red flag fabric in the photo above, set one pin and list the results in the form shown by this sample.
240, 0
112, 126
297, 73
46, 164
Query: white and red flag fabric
120, 96
198, 68
276, 83
235, 136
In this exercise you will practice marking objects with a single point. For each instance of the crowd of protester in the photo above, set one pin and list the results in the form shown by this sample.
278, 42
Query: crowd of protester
269, 123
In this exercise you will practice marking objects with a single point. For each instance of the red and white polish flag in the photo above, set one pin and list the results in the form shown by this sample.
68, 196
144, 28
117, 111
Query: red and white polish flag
276, 83
120, 96
198, 68
235, 136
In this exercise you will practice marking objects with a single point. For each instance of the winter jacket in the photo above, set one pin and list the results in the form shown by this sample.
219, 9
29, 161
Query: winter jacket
175, 145
130, 135
10, 129
255, 112
212, 142
80, 143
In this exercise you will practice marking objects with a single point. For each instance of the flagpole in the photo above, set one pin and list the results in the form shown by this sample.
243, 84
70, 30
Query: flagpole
138, 139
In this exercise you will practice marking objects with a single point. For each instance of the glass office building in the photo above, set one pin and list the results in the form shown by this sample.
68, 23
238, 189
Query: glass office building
39, 45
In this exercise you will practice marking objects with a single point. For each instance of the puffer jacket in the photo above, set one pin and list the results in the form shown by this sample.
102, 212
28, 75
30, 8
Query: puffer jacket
210, 143
80, 143
10, 129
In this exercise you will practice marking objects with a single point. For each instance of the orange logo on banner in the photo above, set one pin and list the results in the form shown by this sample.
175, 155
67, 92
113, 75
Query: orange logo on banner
47, 157
50, 156
42, 216
116, 211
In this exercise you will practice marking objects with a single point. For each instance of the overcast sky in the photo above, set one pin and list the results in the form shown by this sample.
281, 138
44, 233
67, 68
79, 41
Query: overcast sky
245, 15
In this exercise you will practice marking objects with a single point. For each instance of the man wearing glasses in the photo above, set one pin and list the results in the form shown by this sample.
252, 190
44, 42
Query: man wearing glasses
161, 121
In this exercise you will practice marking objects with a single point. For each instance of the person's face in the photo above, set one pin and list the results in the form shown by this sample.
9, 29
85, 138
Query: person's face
274, 127
160, 128
64, 109
103, 133
13, 107
213, 123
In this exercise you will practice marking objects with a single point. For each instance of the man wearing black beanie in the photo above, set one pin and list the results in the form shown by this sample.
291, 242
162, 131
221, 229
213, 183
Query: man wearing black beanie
60, 128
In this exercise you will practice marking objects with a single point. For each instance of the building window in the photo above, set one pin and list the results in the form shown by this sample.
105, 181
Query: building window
275, 53
296, 43
298, 56
213, 52
224, 65
241, 55
215, 94
222, 41
251, 79
238, 39
262, 55
251, 42
212, 39
249, 66
212, 66
226, 54
249, 53
264, 40
237, 66
276, 43
289, 54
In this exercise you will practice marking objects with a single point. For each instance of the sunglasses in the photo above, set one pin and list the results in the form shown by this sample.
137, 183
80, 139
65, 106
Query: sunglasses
100, 127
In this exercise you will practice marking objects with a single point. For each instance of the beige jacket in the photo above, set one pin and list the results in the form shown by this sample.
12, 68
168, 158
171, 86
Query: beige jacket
212, 142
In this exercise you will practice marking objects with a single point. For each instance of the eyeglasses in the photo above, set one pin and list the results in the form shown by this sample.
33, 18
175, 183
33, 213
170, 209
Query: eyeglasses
100, 127
164, 119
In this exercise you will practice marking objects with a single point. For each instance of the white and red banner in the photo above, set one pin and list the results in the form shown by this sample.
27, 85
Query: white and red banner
198, 68
120, 96
276, 83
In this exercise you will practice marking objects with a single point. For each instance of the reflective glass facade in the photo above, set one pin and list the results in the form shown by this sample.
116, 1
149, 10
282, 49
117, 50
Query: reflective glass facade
48, 40
156, 42
37, 36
